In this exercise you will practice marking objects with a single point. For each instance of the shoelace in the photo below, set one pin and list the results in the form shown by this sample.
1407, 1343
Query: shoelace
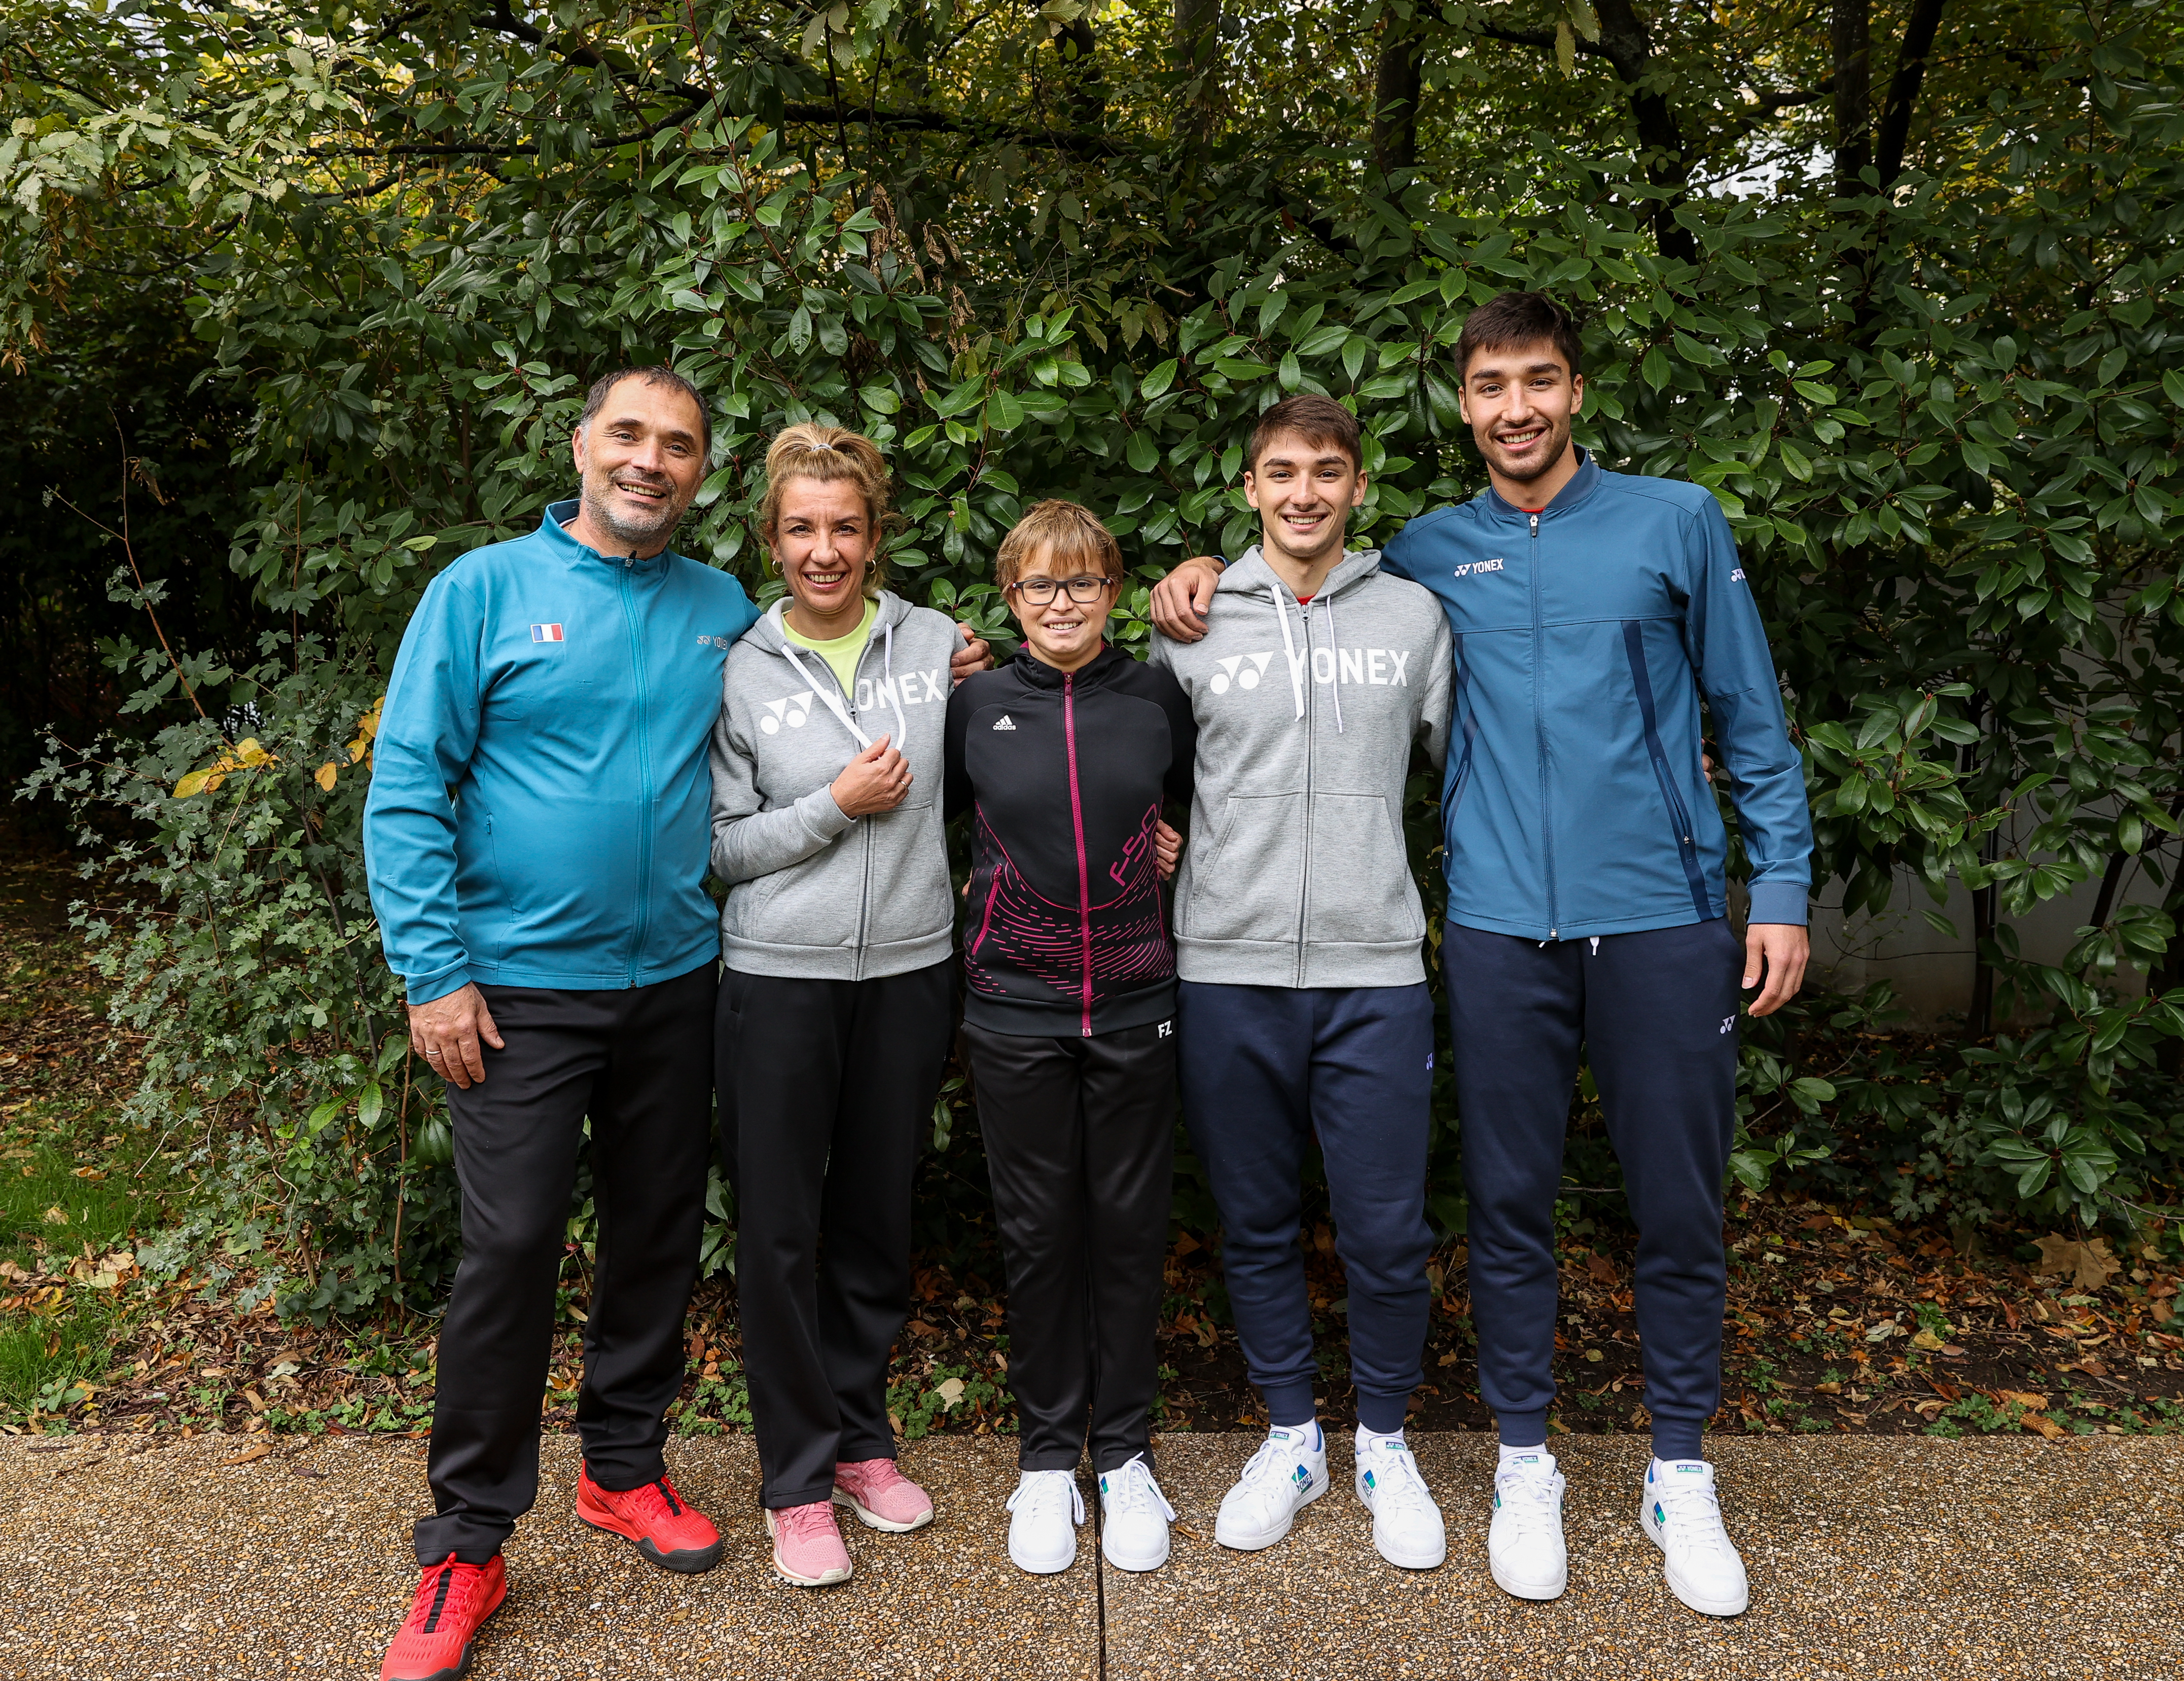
1396, 1480
1132, 1486
805, 1523
1266, 1477
871, 1476
1531, 1501
1040, 1490
444, 1595
1693, 1515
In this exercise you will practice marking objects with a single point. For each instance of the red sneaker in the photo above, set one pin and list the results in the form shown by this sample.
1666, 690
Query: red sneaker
453, 1599
673, 1535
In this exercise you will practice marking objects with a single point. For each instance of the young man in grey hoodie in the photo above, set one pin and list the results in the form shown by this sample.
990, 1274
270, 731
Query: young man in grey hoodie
1302, 1008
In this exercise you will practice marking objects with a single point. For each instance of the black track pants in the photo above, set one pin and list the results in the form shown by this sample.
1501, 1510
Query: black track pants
637, 1062
1657, 1012
824, 1086
1080, 1141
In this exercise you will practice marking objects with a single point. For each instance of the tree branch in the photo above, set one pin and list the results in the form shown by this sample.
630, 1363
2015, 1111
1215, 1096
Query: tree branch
1919, 32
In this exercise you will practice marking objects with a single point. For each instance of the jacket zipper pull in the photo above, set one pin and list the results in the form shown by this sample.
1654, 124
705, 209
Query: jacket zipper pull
1534, 518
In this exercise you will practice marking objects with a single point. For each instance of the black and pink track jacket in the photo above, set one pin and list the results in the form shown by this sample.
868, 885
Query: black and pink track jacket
1065, 776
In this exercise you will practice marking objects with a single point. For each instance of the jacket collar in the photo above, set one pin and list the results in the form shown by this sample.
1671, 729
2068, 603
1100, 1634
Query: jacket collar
1251, 576
1035, 672
553, 528
893, 610
1572, 496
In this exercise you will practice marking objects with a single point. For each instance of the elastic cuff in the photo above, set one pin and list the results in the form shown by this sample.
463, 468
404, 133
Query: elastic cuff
1289, 1406
1779, 902
820, 814
1383, 1415
427, 988
1523, 1429
1678, 1439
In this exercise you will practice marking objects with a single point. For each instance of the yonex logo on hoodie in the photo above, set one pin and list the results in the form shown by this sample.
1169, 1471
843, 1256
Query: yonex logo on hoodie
1382, 667
1469, 567
792, 712
911, 688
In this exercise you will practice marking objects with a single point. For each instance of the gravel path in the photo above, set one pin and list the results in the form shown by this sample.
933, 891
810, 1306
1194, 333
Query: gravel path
1925, 1558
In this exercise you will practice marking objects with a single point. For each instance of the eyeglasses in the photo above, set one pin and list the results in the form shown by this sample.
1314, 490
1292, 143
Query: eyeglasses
1039, 591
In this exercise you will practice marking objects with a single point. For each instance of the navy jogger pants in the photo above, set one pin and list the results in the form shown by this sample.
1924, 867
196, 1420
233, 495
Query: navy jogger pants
1657, 1013
1261, 1069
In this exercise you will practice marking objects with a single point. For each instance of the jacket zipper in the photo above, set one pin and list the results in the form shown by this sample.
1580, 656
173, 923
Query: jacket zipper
1304, 891
1077, 822
1540, 724
644, 777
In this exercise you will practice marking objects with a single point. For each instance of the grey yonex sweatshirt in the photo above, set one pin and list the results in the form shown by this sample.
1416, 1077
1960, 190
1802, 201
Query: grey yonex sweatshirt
1295, 873
811, 893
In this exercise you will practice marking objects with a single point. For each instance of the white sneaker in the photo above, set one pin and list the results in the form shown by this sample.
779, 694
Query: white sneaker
1288, 1473
1524, 1545
1682, 1517
1406, 1525
1133, 1517
1047, 1507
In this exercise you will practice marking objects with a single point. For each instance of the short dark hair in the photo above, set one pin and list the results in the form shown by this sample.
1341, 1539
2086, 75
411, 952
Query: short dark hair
603, 388
1515, 318
1319, 420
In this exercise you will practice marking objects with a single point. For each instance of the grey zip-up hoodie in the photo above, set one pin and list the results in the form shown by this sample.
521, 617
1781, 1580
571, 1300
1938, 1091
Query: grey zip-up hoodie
1295, 873
813, 893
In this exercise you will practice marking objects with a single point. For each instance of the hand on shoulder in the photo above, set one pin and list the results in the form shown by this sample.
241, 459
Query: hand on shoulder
1182, 600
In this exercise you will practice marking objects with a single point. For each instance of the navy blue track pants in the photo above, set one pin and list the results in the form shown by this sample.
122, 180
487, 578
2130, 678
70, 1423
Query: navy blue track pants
1261, 1068
1657, 1014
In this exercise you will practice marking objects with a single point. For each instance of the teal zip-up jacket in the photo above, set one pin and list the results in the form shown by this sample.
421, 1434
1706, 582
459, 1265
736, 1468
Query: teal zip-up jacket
539, 812
1574, 802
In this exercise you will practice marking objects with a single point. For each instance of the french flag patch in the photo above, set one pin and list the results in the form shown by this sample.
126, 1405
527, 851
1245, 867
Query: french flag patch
545, 634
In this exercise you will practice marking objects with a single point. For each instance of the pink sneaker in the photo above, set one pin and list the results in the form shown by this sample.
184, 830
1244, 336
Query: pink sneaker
881, 1496
807, 1546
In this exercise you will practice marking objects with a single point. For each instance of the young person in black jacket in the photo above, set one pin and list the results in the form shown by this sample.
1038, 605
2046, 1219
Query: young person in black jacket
1065, 756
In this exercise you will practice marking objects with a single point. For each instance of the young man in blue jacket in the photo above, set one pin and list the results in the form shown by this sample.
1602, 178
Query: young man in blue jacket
1592, 613
536, 837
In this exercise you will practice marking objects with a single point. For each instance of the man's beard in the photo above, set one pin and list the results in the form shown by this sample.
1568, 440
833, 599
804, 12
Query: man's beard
625, 531
1558, 443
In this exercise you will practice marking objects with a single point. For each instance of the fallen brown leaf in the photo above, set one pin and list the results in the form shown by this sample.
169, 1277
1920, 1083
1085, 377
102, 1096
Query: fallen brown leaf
246, 1457
2088, 1263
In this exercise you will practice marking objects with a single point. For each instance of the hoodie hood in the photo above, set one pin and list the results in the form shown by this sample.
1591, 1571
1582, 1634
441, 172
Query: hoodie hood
1250, 574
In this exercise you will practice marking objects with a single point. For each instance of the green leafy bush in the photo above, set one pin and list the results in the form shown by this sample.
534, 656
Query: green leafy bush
1939, 403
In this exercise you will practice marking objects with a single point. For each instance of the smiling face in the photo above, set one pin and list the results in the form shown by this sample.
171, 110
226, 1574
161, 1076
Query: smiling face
642, 459
1064, 633
1519, 402
1304, 493
822, 542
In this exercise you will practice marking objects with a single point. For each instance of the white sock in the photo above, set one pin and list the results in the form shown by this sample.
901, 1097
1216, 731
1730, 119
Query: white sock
1309, 1432
1365, 1438
1510, 1453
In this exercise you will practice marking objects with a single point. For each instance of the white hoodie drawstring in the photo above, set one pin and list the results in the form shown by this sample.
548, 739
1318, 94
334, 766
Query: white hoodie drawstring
1289, 650
826, 696
887, 678
1335, 648
1296, 665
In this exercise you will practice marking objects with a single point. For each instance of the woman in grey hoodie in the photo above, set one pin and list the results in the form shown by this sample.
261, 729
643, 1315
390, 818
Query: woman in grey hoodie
835, 1012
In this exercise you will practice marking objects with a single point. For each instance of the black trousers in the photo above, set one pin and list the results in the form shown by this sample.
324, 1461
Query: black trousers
637, 1062
824, 1086
1080, 1140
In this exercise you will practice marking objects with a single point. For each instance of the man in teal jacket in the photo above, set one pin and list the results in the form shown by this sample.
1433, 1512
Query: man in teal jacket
536, 837
1593, 614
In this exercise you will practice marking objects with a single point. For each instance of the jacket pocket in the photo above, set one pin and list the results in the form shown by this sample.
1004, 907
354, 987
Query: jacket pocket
1679, 818
1362, 890
1250, 883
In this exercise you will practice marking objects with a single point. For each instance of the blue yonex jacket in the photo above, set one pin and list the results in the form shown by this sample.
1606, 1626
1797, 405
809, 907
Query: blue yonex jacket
539, 806
1585, 636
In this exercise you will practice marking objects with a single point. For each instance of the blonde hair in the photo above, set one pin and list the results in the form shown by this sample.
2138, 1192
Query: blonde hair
832, 455
1068, 532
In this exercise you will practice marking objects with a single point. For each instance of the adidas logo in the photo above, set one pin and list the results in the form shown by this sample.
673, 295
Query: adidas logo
1004, 722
